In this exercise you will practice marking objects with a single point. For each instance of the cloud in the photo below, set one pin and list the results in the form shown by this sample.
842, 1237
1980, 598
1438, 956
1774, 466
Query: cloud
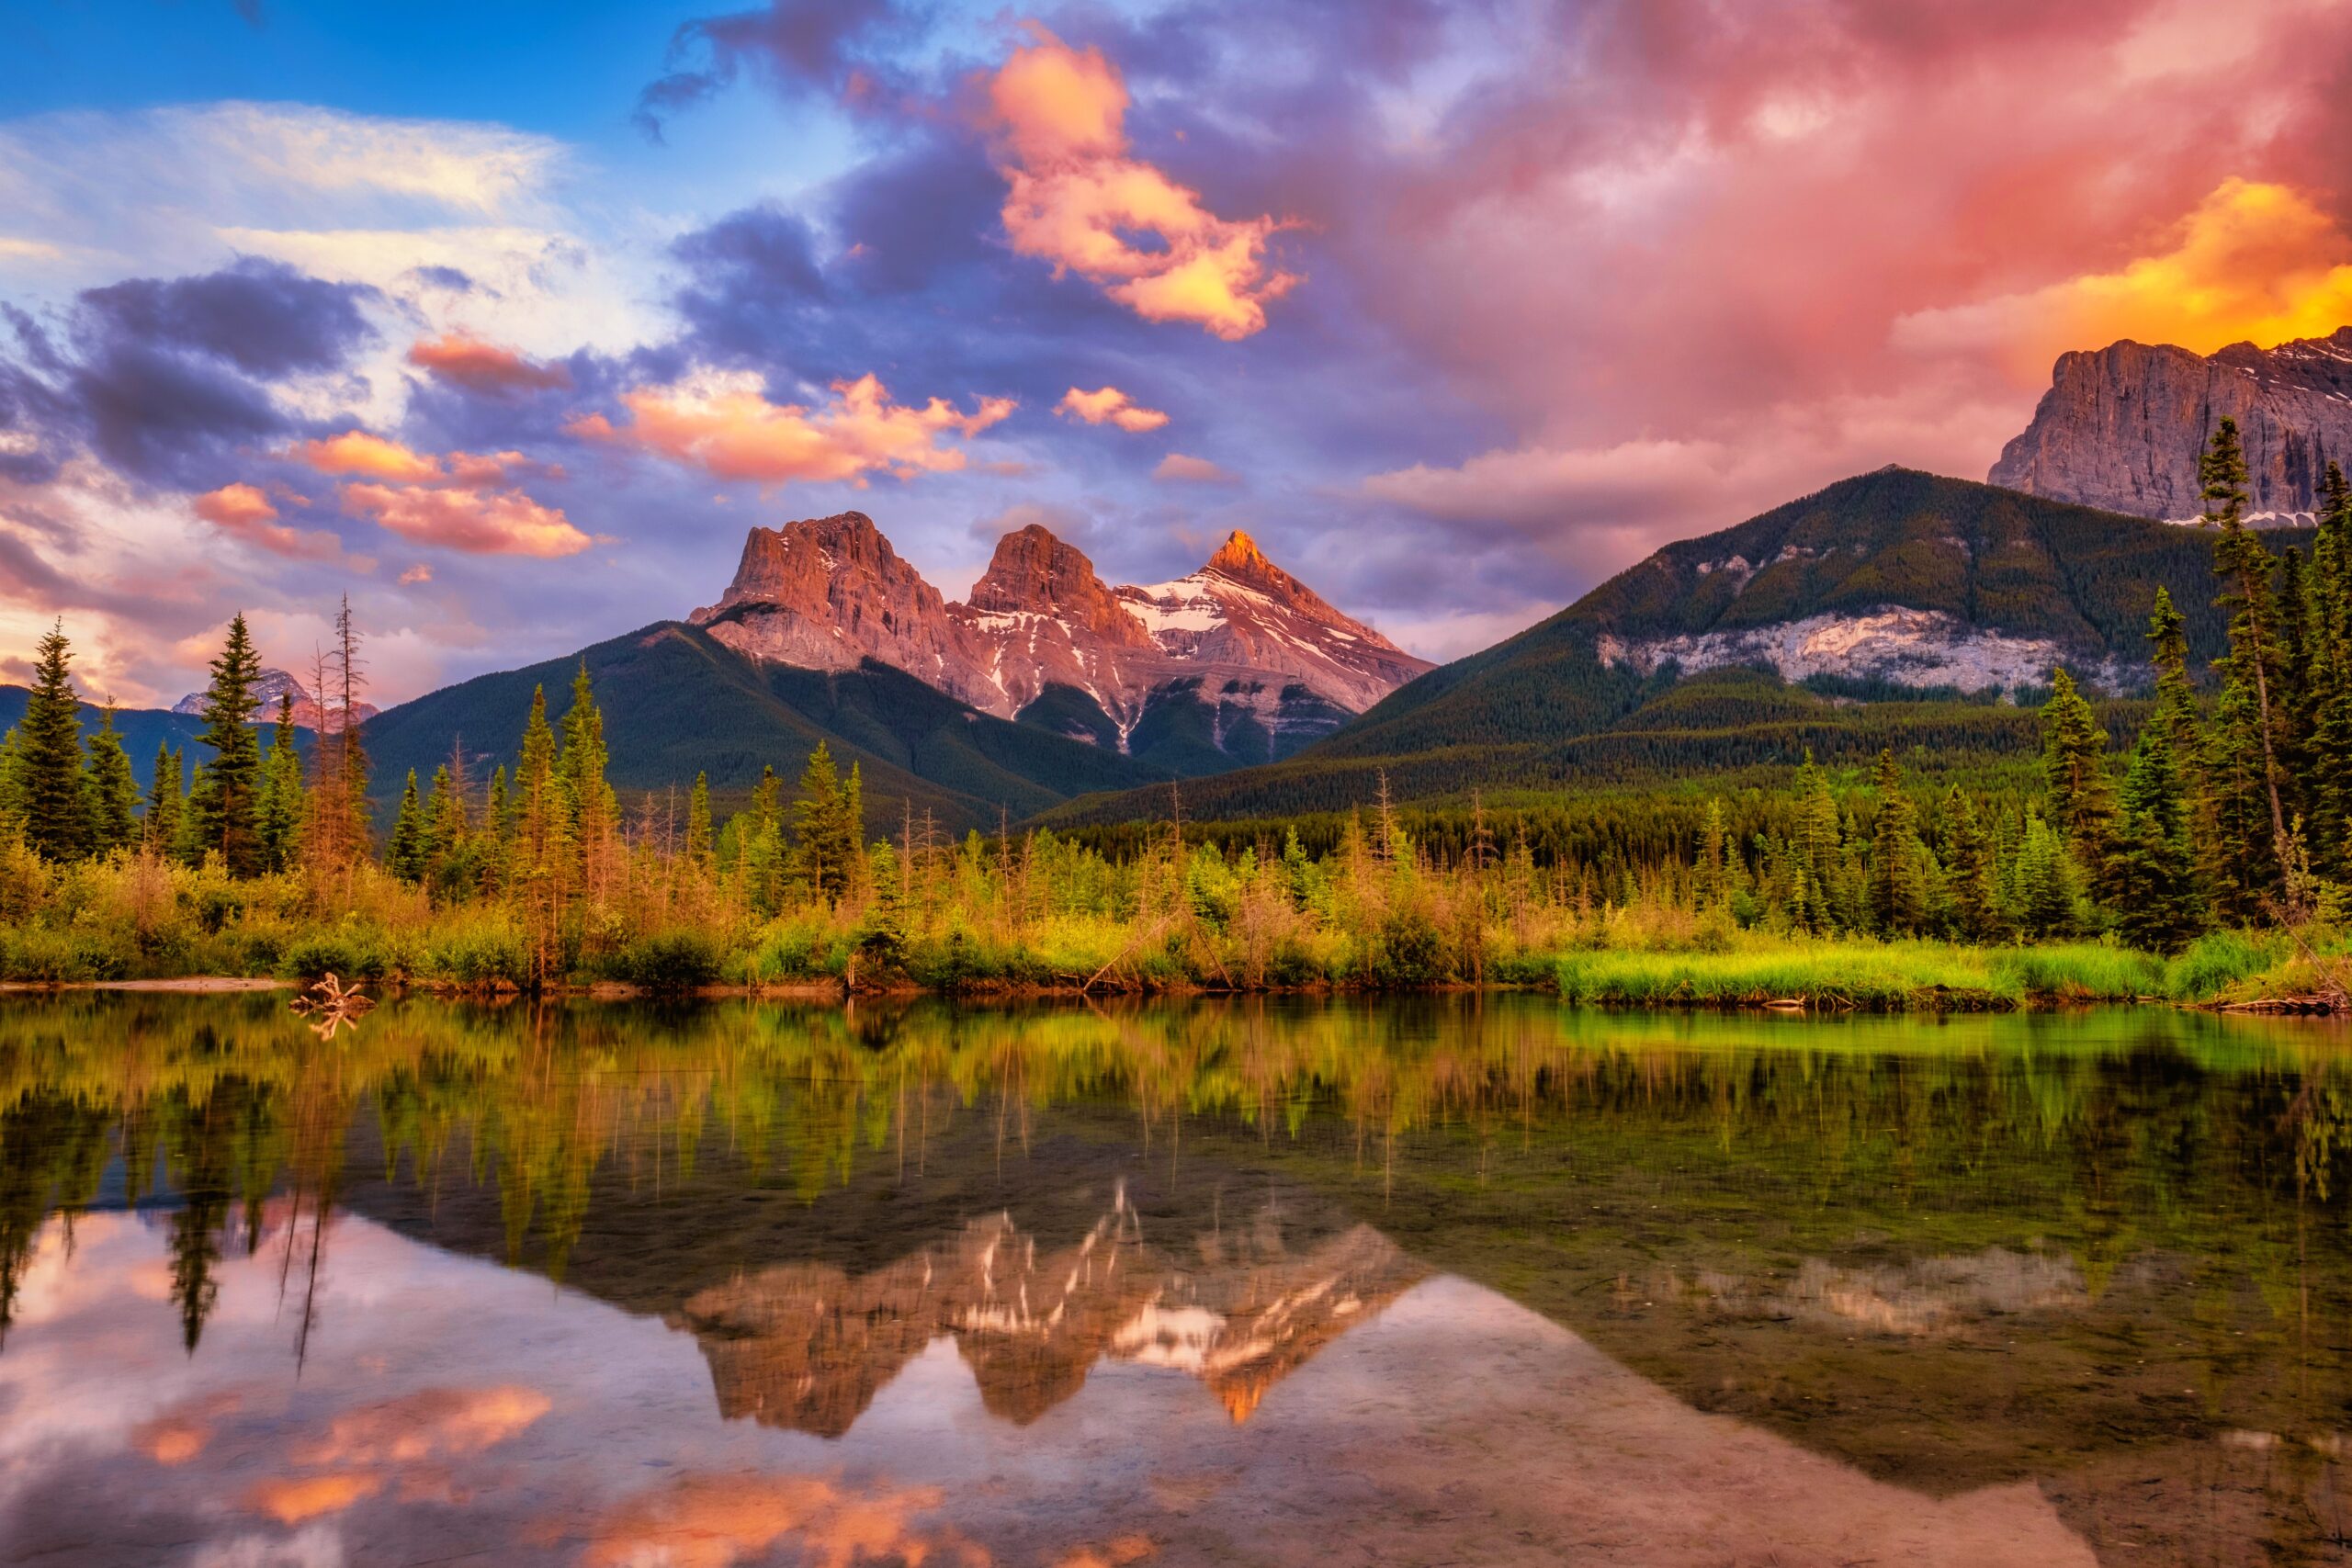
243, 511
359, 452
263, 317
292, 1499
2252, 261
724, 425
716, 1520
828, 45
481, 366
419, 573
433, 1423
476, 521
1182, 469
1110, 405
1078, 200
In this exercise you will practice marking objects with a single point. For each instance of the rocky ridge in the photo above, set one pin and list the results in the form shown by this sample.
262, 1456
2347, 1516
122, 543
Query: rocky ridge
273, 686
1263, 662
2121, 427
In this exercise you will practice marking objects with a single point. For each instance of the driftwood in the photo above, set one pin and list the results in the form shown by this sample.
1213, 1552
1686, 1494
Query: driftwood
330, 1005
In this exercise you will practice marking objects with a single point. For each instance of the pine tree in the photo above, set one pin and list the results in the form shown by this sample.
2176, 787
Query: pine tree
447, 832
57, 817
816, 820
1710, 884
166, 795
588, 798
2329, 788
541, 858
2176, 695
2074, 764
1898, 888
404, 854
113, 791
699, 844
2045, 886
1812, 900
2244, 569
15, 792
2152, 868
279, 815
225, 805
1969, 880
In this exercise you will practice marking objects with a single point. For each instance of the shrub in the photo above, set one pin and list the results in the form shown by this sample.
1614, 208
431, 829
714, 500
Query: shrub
674, 960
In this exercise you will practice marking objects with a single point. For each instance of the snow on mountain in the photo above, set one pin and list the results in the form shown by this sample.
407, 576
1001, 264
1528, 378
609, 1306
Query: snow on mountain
1268, 662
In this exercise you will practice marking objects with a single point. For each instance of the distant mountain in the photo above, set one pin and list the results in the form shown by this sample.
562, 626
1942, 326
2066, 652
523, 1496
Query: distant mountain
1890, 584
274, 685
1238, 662
677, 702
2121, 427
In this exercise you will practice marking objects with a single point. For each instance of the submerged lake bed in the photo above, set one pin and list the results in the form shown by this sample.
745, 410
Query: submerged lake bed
1439, 1280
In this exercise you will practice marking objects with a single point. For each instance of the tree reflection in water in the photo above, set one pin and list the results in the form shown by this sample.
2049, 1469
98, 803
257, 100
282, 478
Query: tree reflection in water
2092, 1252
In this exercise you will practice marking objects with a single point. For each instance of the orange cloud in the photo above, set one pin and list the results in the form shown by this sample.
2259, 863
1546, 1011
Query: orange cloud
503, 523
724, 425
1110, 405
244, 512
1080, 201
715, 1521
481, 366
357, 452
1194, 470
420, 572
2253, 262
291, 1500
434, 1423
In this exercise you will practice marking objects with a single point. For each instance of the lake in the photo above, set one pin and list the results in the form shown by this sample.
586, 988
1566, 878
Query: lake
1441, 1280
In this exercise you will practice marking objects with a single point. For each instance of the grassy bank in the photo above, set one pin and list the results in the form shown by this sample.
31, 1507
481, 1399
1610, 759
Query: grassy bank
965, 927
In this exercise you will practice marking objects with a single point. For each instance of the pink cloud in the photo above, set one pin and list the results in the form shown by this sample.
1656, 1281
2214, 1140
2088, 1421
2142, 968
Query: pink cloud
476, 522
724, 425
481, 366
1080, 200
1109, 405
1177, 466
244, 512
1790, 243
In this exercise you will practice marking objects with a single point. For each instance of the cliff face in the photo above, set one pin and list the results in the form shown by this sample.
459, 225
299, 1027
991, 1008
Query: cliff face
1263, 662
2121, 427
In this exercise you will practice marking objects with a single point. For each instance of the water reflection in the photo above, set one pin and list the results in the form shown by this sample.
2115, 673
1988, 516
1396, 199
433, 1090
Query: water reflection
1264, 1282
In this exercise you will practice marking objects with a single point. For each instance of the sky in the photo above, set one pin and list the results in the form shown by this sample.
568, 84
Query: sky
508, 320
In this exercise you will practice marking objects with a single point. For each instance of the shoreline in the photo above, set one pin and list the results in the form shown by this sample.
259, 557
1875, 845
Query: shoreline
1929, 1001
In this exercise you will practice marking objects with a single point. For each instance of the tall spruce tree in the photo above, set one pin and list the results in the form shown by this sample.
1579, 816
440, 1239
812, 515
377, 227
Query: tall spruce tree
2244, 569
167, 797
57, 814
540, 859
225, 809
698, 841
819, 852
2152, 867
113, 791
278, 818
1898, 885
2074, 764
2329, 788
404, 853
1971, 884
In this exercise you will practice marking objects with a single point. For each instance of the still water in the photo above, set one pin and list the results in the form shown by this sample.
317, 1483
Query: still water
1428, 1282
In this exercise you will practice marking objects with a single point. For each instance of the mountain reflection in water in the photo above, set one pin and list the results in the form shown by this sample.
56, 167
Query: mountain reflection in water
1424, 1282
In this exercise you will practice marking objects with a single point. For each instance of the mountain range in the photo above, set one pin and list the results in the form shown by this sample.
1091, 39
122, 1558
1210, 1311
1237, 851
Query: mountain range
1238, 662
1891, 608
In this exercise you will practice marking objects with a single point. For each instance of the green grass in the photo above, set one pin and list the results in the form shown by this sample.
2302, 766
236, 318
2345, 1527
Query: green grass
1900, 977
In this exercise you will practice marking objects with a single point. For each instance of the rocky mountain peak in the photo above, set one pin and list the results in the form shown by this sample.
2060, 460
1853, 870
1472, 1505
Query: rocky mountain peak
829, 593
2121, 426
271, 689
1239, 557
